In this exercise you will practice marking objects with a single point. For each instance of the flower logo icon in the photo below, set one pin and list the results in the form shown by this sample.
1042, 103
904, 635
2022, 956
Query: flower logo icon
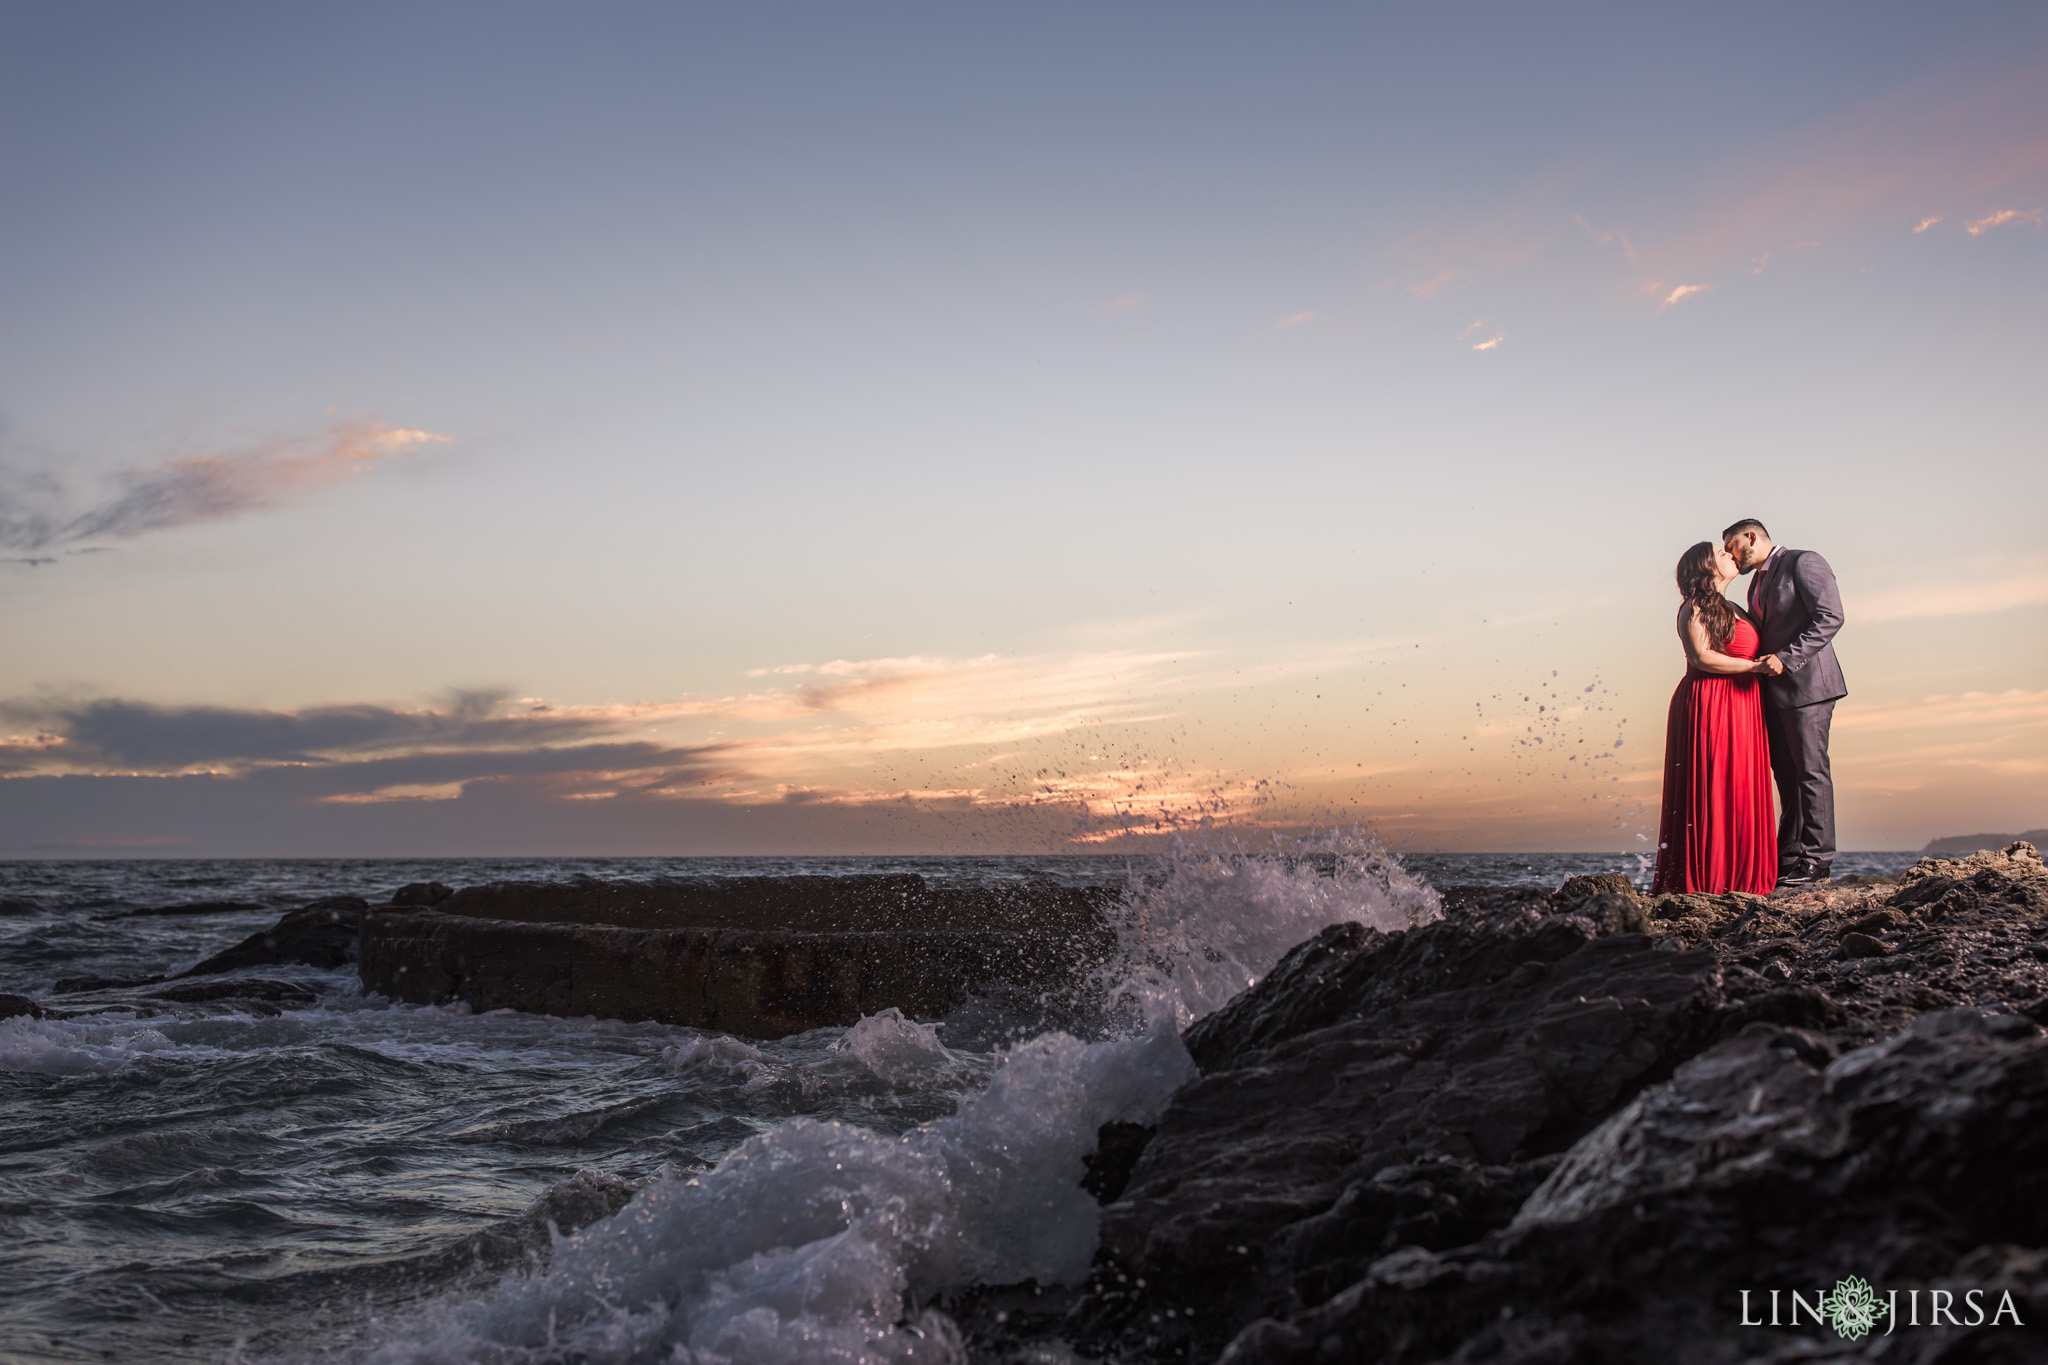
1853, 1308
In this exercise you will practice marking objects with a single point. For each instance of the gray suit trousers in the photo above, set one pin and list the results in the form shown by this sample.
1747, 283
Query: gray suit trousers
1806, 786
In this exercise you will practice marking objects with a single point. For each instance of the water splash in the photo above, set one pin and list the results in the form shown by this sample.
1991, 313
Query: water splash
821, 1241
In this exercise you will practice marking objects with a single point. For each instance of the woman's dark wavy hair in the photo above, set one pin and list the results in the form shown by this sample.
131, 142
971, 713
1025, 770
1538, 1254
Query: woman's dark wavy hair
1696, 585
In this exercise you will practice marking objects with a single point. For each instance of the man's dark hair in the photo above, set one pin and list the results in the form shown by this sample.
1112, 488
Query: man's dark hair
1746, 524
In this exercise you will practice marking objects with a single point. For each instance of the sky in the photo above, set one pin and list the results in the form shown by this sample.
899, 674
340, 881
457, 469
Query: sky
614, 429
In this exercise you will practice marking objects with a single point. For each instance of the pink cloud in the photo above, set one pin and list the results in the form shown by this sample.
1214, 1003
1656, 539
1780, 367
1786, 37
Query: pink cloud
1978, 227
1296, 320
1682, 293
1435, 284
1124, 303
1491, 343
1925, 223
1628, 248
214, 487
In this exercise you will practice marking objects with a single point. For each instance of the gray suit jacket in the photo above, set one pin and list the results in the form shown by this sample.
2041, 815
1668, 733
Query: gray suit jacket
1798, 609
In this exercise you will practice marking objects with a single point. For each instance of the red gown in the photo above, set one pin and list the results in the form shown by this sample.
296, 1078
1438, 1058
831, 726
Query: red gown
1718, 832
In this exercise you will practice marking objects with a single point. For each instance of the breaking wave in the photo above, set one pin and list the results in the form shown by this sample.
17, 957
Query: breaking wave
825, 1241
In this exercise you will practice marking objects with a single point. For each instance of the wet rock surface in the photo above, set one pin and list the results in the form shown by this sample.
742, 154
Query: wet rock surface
759, 957
1575, 1126
322, 934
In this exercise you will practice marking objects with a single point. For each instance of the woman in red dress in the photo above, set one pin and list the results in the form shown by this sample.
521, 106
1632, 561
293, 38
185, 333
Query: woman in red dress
1718, 832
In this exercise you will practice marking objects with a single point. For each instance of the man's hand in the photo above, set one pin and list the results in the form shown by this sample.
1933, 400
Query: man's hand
1771, 666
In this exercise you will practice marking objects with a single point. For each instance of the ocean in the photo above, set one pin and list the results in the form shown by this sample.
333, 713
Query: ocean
328, 1175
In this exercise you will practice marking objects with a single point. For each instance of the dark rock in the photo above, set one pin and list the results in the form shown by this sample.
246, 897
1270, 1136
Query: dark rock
322, 934
1799, 1007
1878, 922
12, 1005
1862, 945
1603, 884
1117, 1148
11, 906
1922, 1160
760, 957
1612, 913
1376, 1088
422, 893
1695, 905
1459, 1143
78, 985
238, 988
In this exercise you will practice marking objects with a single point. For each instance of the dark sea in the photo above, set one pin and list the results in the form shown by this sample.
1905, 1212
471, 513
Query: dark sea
326, 1174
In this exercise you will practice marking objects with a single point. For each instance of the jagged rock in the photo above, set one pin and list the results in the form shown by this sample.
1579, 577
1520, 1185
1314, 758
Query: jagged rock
2017, 860
1697, 905
1372, 1117
12, 1005
322, 934
1863, 945
1576, 889
422, 893
1916, 1162
1612, 913
1376, 1088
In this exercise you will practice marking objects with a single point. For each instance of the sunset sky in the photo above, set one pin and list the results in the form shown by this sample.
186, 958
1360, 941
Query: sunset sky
453, 429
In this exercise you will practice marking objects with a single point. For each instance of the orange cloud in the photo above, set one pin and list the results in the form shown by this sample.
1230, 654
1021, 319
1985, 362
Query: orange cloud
1925, 223
1491, 343
1296, 320
1980, 226
1682, 293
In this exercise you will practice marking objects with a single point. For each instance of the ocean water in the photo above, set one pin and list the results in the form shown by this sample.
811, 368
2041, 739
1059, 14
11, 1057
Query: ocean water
330, 1175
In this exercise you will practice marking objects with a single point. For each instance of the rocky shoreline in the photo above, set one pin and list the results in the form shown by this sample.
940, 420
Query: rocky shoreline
1580, 1125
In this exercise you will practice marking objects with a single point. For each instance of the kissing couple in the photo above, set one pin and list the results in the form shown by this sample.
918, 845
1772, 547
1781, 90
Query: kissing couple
1757, 701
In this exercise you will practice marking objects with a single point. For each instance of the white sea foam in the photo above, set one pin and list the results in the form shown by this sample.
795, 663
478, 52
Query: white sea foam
77, 1047
1216, 921
818, 1242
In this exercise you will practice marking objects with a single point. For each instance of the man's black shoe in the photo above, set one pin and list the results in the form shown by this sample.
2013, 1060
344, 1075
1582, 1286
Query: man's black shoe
1803, 874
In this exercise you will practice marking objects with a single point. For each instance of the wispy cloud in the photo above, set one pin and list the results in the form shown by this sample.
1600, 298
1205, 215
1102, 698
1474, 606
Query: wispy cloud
1925, 223
1124, 303
1999, 591
1295, 320
1979, 226
1435, 284
1491, 343
199, 488
1628, 248
1682, 293
1860, 171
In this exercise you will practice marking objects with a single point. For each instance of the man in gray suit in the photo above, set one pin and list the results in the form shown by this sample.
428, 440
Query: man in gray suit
1797, 609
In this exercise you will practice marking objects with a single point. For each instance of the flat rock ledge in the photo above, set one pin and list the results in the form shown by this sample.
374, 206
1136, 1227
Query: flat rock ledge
759, 957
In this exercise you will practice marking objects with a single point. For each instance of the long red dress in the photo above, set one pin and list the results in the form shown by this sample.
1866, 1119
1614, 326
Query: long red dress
1718, 832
